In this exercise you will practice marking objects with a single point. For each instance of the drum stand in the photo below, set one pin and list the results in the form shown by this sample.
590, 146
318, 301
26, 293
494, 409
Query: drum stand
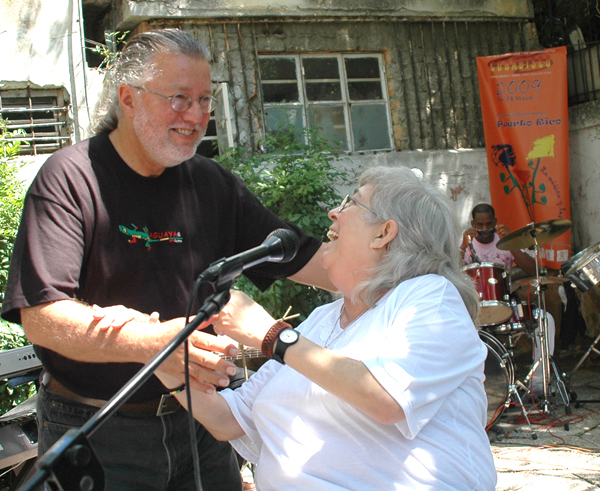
560, 385
514, 390
531, 236
512, 338
593, 348
586, 354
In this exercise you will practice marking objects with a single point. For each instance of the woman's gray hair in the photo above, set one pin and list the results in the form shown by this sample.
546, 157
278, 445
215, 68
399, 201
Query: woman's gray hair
428, 234
134, 66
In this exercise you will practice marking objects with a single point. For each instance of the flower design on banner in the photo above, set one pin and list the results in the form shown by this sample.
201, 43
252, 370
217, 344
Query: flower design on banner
504, 156
524, 180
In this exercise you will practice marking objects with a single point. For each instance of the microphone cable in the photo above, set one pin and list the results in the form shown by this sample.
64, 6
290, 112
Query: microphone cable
188, 391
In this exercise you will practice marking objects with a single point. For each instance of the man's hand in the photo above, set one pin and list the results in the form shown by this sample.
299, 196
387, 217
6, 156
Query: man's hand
117, 316
465, 242
70, 329
207, 368
523, 260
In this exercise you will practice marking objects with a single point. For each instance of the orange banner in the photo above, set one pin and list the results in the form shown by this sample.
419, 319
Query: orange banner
526, 126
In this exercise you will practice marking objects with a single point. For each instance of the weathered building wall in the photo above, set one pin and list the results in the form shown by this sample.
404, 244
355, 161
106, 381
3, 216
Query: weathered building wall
431, 76
584, 168
584, 144
430, 68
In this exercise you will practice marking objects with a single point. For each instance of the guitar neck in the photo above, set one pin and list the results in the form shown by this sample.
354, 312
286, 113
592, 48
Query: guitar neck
245, 353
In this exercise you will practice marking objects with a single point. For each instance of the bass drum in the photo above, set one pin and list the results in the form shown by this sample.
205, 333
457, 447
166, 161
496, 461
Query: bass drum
499, 376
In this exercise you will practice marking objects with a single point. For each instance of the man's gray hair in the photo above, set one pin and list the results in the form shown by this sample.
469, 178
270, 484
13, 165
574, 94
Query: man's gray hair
428, 234
134, 66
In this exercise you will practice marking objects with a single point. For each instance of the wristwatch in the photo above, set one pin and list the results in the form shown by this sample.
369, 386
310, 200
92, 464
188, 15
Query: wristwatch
286, 338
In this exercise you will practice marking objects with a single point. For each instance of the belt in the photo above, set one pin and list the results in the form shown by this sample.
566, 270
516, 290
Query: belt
161, 406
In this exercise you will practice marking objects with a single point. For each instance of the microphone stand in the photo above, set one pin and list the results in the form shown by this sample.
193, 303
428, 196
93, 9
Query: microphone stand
71, 462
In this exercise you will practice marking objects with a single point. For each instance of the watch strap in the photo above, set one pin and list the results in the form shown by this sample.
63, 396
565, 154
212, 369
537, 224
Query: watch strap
281, 346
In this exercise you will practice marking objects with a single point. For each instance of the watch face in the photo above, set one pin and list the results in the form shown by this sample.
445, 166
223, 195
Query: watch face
288, 336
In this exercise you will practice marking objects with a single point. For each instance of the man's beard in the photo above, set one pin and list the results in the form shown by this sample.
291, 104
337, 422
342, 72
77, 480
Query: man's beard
161, 148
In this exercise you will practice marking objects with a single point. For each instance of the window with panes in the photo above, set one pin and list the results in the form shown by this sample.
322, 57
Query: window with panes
342, 95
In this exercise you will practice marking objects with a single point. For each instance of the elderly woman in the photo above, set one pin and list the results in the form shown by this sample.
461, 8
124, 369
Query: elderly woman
381, 389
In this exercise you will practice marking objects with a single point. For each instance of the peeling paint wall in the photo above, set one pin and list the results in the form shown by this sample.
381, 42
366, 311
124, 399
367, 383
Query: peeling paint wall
584, 168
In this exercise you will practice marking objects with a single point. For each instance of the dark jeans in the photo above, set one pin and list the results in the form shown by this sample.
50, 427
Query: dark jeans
142, 451
572, 322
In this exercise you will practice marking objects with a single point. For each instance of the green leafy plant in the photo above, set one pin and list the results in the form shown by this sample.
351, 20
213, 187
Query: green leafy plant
12, 192
11, 198
109, 51
297, 181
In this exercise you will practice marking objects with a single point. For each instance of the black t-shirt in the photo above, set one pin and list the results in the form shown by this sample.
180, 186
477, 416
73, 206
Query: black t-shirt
95, 230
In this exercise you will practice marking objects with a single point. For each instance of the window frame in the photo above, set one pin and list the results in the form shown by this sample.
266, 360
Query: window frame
303, 103
60, 120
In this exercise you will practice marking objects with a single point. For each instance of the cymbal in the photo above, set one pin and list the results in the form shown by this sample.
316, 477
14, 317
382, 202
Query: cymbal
543, 280
542, 231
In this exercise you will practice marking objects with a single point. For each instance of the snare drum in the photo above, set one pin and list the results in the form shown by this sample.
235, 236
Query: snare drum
583, 269
499, 376
520, 321
491, 282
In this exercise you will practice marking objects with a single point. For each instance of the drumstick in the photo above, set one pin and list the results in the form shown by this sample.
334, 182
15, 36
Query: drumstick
474, 255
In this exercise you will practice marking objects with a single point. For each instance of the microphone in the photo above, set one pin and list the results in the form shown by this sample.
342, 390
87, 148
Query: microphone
280, 246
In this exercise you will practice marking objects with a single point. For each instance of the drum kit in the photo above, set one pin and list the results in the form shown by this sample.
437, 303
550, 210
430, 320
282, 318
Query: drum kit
503, 313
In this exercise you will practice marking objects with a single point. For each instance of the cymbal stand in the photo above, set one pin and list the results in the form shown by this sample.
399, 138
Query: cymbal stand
542, 321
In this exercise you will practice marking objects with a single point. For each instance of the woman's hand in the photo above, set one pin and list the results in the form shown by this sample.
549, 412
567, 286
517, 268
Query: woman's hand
243, 320
209, 408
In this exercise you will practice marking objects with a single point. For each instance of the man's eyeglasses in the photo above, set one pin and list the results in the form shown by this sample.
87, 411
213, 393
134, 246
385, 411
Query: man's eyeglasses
182, 102
349, 198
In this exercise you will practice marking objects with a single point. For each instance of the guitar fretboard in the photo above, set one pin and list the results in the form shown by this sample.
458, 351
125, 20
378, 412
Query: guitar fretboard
247, 353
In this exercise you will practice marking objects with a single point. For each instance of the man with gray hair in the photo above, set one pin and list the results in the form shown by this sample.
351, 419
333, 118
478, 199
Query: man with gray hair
114, 232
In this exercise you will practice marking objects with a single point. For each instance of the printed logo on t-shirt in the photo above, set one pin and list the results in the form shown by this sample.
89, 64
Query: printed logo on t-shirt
150, 237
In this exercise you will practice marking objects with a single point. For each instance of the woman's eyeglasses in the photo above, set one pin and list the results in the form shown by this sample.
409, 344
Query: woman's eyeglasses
349, 198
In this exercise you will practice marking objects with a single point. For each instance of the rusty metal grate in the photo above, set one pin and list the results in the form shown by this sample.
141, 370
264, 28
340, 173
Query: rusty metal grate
41, 114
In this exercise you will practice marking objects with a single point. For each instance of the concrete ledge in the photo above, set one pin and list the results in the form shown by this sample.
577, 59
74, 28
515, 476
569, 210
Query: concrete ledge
133, 12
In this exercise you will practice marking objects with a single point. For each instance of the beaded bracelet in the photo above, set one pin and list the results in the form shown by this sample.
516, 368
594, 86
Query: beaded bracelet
177, 390
271, 337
